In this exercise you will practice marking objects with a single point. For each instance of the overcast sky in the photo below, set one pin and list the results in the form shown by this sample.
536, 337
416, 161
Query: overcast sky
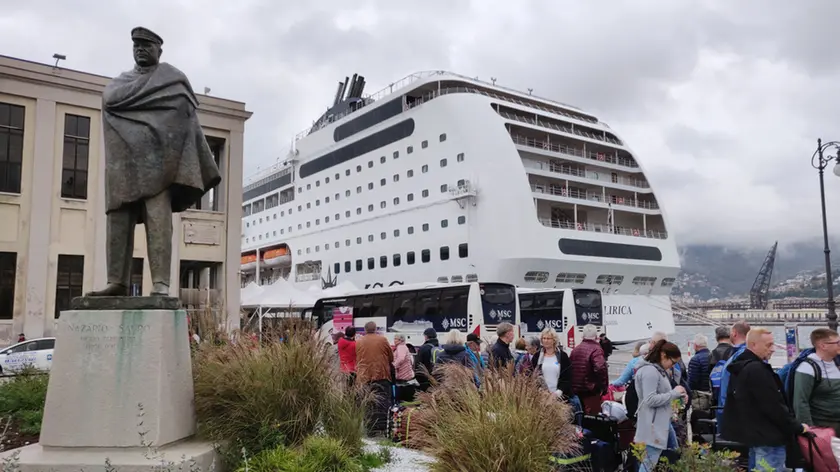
721, 101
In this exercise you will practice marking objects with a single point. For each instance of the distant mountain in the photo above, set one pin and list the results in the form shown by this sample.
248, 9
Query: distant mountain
716, 271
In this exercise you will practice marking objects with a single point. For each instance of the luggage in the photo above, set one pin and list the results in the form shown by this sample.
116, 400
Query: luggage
399, 423
816, 450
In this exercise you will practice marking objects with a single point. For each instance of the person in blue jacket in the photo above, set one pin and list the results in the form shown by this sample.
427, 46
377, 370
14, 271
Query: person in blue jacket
738, 337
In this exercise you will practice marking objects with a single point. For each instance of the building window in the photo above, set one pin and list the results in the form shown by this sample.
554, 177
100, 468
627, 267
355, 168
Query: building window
442, 137
359, 240
359, 189
425, 255
668, 281
337, 267
359, 211
8, 273
444, 223
346, 266
347, 172
370, 164
424, 169
462, 219
410, 173
382, 205
347, 193
358, 168
396, 200
425, 227
347, 243
409, 258
570, 278
410, 149
425, 193
411, 230
383, 262
644, 281
460, 157
443, 162
326, 180
370, 207
444, 188
359, 266
383, 235
396, 233
74, 173
396, 260
11, 147
424, 144
536, 276
463, 250
68, 283
370, 185
382, 160
371, 263
444, 253
396, 177
410, 197
382, 182
396, 154
370, 238
606, 279
337, 176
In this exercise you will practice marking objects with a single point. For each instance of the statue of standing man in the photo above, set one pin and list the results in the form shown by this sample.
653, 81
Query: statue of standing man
157, 162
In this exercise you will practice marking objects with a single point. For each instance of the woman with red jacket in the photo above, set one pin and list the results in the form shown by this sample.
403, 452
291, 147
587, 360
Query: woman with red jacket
347, 353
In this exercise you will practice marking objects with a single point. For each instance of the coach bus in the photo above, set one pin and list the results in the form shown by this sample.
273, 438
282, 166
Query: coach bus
473, 307
567, 310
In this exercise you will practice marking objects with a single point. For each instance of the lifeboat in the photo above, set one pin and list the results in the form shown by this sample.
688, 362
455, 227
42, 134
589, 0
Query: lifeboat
248, 263
277, 257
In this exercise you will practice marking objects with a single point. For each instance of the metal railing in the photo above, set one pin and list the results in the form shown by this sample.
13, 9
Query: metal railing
411, 78
602, 228
567, 169
570, 129
610, 158
572, 192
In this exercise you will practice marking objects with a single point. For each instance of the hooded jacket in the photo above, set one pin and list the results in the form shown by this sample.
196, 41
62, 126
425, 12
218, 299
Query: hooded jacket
756, 413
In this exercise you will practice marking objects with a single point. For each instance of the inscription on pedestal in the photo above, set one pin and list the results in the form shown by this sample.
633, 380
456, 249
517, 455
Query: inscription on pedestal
100, 336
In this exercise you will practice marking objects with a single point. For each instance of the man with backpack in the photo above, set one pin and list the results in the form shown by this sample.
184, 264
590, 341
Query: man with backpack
815, 378
719, 377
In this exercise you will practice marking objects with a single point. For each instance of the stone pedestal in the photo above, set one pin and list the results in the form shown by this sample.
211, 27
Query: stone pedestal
121, 380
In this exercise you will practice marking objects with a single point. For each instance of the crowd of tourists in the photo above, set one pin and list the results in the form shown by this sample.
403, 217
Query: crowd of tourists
730, 388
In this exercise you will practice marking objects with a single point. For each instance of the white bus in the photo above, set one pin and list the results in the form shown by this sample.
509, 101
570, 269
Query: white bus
473, 307
567, 310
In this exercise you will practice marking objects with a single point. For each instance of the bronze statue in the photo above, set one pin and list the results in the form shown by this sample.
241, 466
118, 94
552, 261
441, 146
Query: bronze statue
157, 161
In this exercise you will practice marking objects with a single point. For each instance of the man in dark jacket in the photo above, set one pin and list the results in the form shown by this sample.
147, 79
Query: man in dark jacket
500, 354
756, 413
590, 375
723, 349
424, 358
699, 366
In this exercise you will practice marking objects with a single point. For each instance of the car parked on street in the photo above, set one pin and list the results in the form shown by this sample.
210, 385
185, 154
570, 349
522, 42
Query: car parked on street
37, 353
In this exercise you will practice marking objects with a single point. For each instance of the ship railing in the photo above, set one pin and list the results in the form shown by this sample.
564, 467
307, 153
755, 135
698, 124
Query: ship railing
570, 129
603, 228
307, 276
572, 151
567, 169
448, 90
572, 192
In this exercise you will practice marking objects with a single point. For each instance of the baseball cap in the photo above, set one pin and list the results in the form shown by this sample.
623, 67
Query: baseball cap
474, 338
430, 333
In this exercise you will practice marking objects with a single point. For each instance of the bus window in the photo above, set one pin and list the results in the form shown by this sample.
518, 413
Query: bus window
382, 305
498, 302
403, 308
588, 307
363, 307
453, 308
544, 310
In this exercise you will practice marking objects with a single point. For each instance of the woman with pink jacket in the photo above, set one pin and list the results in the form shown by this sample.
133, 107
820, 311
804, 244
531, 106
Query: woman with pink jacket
404, 370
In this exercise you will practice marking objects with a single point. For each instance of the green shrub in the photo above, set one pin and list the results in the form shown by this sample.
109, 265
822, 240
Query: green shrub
325, 454
22, 398
511, 424
694, 458
278, 459
258, 397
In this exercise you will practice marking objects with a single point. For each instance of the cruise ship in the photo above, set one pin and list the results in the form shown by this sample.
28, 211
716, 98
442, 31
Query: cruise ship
445, 178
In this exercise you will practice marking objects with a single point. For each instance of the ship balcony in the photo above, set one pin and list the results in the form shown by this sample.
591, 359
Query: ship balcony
551, 146
537, 120
575, 217
572, 171
591, 195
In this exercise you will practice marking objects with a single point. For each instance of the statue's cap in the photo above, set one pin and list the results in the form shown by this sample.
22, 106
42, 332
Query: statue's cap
146, 35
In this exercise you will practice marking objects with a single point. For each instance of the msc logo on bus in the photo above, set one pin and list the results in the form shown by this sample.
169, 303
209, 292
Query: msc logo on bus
590, 316
501, 314
553, 324
453, 323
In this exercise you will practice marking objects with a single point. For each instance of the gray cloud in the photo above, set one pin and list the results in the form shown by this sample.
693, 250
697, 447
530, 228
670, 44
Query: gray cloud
721, 101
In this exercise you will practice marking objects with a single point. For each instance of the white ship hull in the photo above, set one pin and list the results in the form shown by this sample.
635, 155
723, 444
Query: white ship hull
482, 194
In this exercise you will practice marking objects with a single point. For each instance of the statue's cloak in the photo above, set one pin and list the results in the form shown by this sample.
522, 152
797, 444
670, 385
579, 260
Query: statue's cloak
153, 140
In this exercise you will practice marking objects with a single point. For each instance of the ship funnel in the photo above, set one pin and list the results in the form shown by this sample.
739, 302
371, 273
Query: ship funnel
361, 87
338, 93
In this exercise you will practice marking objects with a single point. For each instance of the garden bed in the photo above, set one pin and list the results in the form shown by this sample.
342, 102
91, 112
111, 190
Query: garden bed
11, 436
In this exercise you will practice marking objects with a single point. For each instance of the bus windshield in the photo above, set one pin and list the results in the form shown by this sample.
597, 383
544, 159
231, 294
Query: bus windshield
542, 310
498, 303
588, 309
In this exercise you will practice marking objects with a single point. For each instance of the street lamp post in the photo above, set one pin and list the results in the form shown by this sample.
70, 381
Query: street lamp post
820, 162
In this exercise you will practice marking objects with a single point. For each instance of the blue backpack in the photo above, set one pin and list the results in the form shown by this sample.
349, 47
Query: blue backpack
716, 376
786, 372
